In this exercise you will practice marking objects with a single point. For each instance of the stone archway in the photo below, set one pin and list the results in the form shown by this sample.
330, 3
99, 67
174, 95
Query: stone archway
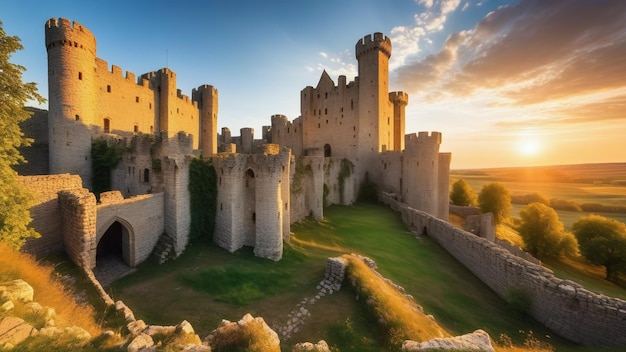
113, 253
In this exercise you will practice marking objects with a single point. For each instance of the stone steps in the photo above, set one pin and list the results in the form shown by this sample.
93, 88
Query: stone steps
164, 249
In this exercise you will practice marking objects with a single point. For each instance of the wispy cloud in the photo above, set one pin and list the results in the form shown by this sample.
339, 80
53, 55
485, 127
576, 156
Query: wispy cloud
336, 64
407, 40
532, 52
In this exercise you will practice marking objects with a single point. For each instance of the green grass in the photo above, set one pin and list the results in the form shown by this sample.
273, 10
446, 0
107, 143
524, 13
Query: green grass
196, 286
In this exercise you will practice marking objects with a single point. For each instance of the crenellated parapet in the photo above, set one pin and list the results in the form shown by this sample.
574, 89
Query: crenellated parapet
376, 42
399, 98
62, 32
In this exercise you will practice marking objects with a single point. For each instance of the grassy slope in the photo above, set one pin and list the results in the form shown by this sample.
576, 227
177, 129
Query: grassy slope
458, 300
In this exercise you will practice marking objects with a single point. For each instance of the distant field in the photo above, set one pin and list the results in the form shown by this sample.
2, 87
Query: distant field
586, 183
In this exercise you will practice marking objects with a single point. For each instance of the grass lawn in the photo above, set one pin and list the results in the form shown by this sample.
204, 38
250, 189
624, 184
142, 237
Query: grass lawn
207, 284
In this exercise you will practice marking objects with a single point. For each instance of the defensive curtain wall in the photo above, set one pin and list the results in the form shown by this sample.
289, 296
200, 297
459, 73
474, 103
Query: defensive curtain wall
561, 305
68, 216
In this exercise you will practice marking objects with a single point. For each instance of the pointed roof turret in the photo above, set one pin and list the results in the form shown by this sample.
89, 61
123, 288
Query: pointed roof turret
325, 81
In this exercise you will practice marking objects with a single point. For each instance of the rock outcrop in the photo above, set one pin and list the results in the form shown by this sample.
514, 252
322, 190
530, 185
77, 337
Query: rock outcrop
479, 340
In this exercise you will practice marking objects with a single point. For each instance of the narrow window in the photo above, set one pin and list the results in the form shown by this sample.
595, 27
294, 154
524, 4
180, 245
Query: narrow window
326, 95
136, 129
109, 88
77, 118
80, 75
146, 175
136, 99
326, 111
107, 126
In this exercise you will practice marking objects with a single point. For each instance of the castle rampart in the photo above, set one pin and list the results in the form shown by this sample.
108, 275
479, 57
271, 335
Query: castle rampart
376, 42
561, 305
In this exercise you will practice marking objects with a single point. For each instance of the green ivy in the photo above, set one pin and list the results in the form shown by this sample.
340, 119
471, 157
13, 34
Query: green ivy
297, 183
203, 198
347, 167
104, 157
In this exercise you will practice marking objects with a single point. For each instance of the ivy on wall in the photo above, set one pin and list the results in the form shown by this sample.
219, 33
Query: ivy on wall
203, 198
346, 169
105, 155
297, 183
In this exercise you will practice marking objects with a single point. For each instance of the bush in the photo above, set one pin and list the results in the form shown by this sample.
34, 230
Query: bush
462, 194
567, 205
530, 198
543, 234
495, 198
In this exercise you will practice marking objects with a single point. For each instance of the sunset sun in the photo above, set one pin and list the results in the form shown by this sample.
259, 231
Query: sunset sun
528, 144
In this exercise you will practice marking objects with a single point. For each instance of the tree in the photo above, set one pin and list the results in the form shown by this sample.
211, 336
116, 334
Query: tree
603, 242
14, 198
543, 233
495, 198
462, 194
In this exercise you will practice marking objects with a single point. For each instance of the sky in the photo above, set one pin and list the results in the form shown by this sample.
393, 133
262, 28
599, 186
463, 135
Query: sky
507, 82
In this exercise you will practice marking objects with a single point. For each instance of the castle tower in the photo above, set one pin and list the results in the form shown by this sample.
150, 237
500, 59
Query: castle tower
375, 125
420, 167
206, 96
71, 87
399, 100
166, 89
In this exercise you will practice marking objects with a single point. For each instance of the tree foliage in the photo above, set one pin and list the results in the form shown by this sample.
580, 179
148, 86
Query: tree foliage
495, 198
543, 233
203, 198
462, 194
15, 200
602, 241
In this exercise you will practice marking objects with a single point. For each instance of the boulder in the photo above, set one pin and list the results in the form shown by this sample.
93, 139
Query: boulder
13, 331
141, 343
248, 331
16, 290
479, 340
321, 346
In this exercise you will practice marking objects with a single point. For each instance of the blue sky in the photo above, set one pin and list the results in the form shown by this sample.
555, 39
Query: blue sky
509, 83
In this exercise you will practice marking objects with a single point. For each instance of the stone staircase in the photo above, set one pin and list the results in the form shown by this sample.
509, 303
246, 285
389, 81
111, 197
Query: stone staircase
164, 249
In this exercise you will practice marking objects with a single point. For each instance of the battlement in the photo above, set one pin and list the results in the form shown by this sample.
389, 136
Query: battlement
279, 120
422, 138
399, 97
63, 32
377, 41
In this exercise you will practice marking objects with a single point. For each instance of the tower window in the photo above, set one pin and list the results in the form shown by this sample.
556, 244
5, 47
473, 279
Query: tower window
77, 118
136, 99
109, 88
326, 111
107, 126
136, 129
80, 75
146, 175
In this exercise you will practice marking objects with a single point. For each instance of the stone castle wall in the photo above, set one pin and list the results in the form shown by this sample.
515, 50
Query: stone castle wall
142, 217
46, 213
561, 305
78, 211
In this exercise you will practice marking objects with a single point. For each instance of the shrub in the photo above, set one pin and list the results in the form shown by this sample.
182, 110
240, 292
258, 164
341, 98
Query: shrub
462, 194
495, 198
526, 199
567, 205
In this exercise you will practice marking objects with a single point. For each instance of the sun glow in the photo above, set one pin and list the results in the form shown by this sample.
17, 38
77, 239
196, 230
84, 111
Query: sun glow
528, 144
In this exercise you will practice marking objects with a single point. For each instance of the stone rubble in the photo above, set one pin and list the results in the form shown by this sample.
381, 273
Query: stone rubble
479, 340
333, 278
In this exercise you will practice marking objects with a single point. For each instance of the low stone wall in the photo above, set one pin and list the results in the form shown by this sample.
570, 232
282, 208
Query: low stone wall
561, 305
464, 211
46, 212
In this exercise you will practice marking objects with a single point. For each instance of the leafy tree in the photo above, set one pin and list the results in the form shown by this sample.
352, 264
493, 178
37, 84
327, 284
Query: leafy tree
543, 234
495, 198
14, 198
463, 194
602, 241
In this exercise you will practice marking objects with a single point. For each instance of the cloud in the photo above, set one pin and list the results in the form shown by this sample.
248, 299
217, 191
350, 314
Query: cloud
336, 64
406, 39
532, 52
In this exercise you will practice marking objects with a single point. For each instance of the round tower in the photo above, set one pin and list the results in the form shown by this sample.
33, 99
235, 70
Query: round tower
399, 100
420, 168
206, 96
71, 87
375, 112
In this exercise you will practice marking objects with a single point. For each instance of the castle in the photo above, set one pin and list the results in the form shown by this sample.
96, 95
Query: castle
348, 134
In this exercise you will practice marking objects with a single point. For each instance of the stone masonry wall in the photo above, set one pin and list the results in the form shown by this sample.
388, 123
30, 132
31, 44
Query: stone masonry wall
46, 211
78, 211
561, 305
144, 217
